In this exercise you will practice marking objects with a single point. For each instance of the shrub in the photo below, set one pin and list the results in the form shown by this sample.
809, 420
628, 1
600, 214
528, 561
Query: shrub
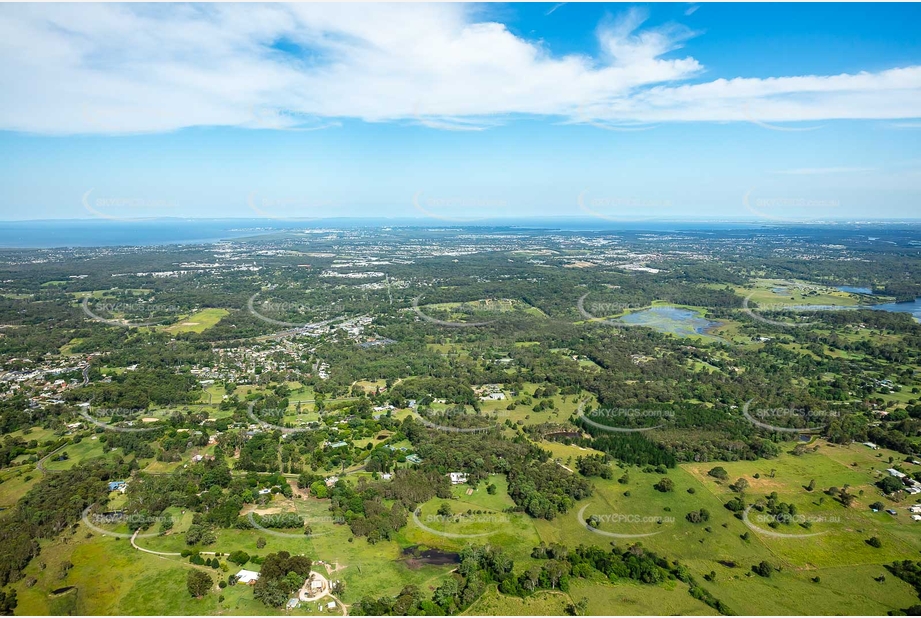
239, 557
764, 568
198, 583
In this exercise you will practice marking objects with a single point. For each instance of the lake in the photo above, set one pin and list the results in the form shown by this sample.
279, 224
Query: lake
853, 290
912, 307
673, 320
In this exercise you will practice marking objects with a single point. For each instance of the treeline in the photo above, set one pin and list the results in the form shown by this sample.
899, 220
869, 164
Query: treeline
631, 448
538, 487
136, 390
280, 576
362, 506
908, 571
424, 390
545, 489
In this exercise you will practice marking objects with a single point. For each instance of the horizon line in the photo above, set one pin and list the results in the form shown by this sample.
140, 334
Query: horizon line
474, 222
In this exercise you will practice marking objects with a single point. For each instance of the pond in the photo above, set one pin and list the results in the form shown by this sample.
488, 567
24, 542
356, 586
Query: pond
415, 554
673, 320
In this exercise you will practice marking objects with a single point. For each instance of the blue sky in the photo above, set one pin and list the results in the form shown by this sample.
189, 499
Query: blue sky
458, 112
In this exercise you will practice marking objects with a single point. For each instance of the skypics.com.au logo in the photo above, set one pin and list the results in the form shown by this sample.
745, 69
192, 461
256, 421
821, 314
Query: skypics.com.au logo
601, 308
781, 209
441, 420
277, 416
135, 521
267, 308
448, 323
760, 417
751, 113
601, 117
746, 308
124, 208
597, 523
618, 416
275, 524
118, 415
286, 119
294, 208
496, 522
155, 313
775, 521
621, 208
446, 208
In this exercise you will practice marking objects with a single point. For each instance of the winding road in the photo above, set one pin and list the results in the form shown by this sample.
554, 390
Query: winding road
40, 464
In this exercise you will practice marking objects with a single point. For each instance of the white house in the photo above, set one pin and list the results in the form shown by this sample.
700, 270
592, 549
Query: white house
247, 577
895, 473
457, 478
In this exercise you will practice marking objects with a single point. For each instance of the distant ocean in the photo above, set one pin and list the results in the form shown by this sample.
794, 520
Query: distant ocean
56, 233
93, 233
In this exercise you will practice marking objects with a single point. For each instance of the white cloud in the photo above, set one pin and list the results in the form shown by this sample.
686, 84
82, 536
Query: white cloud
137, 68
626, 44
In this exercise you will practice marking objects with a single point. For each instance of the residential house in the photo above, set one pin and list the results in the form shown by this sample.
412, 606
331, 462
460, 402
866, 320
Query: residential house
247, 577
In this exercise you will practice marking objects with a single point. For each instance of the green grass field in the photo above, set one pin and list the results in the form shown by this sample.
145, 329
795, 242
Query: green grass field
86, 449
783, 292
462, 310
15, 483
671, 599
198, 322
544, 603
